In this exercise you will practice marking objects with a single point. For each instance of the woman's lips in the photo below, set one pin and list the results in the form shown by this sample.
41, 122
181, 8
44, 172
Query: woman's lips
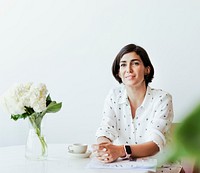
130, 77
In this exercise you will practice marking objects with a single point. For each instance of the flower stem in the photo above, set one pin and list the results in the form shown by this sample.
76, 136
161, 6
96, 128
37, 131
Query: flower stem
42, 140
36, 124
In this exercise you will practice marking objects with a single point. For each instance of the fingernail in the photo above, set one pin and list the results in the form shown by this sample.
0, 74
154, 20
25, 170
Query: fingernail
104, 149
105, 154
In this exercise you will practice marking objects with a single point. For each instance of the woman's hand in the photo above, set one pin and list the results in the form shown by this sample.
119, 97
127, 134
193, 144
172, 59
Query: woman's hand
107, 152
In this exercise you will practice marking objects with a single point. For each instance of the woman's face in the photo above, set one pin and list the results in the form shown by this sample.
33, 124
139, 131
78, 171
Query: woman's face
132, 70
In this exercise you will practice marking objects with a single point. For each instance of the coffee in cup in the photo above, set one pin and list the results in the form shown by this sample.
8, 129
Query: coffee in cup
77, 148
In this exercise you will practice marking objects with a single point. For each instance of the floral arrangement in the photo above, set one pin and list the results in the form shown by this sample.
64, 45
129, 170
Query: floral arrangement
32, 102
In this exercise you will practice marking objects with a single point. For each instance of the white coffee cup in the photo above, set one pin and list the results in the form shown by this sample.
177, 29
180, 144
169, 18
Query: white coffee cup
77, 148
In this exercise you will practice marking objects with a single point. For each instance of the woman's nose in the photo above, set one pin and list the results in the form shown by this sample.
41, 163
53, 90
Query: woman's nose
129, 69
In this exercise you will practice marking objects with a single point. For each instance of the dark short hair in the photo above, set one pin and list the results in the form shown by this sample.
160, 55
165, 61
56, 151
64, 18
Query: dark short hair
143, 55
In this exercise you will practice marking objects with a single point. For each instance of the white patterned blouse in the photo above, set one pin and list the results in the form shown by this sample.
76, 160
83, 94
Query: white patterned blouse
151, 123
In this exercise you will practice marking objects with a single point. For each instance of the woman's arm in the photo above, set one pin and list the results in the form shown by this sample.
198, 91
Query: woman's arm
107, 152
145, 149
108, 124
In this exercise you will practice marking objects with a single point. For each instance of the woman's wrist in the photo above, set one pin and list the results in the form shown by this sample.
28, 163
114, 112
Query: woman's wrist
126, 152
122, 151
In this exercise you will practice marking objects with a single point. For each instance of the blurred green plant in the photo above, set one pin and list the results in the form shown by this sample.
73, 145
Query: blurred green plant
186, 138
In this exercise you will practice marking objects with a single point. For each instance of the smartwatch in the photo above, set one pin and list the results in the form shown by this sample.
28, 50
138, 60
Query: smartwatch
128, 152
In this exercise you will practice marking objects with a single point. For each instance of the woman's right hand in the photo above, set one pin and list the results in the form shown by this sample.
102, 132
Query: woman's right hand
107, 152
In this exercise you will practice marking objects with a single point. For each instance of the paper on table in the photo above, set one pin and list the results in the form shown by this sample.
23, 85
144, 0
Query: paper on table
141, 164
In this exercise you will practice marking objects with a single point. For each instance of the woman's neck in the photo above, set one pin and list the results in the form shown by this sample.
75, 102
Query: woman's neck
136, 95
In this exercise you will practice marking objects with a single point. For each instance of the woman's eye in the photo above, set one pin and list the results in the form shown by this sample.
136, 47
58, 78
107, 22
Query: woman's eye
136, 63
122, 65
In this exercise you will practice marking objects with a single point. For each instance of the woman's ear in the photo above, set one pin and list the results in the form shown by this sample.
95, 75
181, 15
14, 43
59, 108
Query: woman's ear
147, 70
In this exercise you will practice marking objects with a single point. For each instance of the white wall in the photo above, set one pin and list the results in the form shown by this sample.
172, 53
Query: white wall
70, 46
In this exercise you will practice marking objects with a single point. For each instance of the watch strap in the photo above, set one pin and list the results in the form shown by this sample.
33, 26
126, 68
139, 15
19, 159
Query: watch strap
128, 152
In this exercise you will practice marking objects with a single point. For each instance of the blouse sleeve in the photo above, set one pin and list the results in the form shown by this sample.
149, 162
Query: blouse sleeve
161, 123
108, 124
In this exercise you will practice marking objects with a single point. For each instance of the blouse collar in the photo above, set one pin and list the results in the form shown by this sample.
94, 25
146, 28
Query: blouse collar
148, 96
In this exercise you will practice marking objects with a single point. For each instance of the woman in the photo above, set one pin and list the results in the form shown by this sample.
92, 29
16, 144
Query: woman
135, 116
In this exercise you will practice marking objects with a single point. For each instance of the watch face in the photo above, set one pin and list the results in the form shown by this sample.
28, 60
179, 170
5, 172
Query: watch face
128, 149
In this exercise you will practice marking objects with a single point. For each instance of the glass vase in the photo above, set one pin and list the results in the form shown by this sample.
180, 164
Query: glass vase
36, 146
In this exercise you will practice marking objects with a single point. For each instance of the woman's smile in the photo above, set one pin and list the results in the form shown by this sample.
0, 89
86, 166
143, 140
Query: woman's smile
130, 77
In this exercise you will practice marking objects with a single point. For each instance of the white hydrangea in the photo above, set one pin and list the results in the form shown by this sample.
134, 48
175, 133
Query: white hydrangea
20, 95
38, 97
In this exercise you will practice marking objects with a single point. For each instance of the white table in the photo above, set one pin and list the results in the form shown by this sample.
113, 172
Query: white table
12, 160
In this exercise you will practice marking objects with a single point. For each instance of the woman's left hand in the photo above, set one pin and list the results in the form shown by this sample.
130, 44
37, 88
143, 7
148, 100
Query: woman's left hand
107, 152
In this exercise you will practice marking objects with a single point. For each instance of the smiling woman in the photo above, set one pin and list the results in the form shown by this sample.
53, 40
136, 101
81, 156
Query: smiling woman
137, 56
132, 69
136, 118
70, 45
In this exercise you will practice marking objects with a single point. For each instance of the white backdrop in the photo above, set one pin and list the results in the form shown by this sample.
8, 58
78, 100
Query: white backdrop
70, 44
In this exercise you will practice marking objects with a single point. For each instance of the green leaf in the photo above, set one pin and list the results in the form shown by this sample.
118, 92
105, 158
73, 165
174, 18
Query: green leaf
29, 110
53, 107
48, 100
187, 137
188, 134
18, 116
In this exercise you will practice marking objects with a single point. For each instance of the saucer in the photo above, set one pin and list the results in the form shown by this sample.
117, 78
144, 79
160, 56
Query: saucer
81, 155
